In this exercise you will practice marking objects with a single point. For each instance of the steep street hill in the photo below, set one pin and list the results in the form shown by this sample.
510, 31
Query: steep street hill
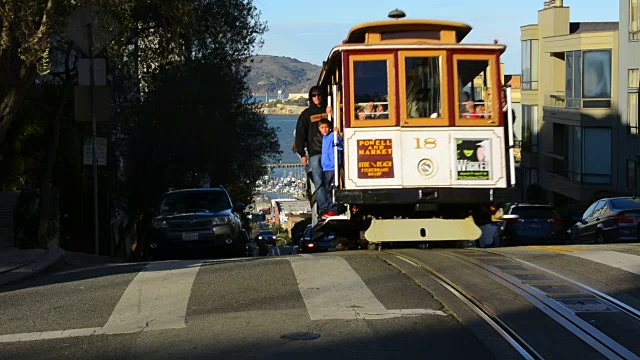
273, 73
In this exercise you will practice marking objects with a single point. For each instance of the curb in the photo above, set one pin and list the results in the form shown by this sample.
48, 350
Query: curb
53, 256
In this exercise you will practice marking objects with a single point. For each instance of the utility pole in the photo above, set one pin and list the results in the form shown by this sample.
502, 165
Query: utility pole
91, 30
96, 232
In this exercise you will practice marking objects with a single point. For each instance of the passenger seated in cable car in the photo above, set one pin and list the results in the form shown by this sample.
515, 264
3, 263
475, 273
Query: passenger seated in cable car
370, 110
480, 110
360, 113
381, 112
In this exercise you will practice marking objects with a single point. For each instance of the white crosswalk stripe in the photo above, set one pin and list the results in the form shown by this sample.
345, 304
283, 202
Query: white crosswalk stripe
623, 261
331, 289
156, 299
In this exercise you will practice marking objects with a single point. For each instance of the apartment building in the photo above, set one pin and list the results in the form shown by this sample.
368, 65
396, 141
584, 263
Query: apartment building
629, 65
569, 99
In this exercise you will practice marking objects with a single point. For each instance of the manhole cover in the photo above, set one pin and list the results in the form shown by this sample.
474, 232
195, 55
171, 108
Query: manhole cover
302, 336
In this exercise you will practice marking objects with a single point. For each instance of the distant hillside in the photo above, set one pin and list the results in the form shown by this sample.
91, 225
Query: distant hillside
273, 73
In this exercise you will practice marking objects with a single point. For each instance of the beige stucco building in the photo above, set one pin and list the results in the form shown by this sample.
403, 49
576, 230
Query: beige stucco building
570, 104
629, 65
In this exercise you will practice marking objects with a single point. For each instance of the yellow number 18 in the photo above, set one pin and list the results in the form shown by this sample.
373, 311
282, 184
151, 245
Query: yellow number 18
428, 143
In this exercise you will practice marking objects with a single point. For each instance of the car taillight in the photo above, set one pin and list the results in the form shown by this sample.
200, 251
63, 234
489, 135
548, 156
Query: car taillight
512, 221
558, 221
622, 219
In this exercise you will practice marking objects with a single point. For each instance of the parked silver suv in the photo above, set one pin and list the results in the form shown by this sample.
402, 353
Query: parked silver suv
197, 220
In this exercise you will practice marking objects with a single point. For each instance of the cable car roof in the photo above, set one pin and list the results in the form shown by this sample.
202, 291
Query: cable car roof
358, 33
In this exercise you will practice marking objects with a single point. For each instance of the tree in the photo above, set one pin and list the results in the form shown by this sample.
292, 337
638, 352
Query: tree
180, 102
197, 121
26, 28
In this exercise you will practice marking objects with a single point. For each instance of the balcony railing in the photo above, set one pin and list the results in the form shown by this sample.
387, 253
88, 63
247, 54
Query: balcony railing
557, 165
559, 99
555, 99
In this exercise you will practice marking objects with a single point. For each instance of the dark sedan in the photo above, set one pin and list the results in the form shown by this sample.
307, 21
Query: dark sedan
608, 220
266, 237
322, 244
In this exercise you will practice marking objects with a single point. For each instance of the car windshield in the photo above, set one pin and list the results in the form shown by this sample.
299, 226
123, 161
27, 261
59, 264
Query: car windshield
533, 212
625, 204
266, 233
181, 202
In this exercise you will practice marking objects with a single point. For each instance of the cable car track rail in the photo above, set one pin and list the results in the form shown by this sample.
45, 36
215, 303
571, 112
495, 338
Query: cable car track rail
519, 344
589, 334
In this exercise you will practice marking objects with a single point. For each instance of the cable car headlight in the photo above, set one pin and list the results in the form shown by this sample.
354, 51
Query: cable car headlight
427, 167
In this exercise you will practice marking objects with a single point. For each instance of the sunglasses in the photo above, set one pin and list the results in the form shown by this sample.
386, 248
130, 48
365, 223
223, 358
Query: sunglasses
316, 95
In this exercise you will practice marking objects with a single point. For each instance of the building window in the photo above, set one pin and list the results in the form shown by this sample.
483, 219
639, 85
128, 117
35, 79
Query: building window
587, 154
634, 20
597, 156
632, 175
530, 128
632, 100
596, 84
573, 151
573, 88
588, 79
531, 177
529, 65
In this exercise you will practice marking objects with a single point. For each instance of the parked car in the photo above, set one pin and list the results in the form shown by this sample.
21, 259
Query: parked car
194, 221
531, 224
308, 245
608, 220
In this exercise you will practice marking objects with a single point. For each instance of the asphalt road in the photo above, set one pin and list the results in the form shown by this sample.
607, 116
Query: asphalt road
365, 305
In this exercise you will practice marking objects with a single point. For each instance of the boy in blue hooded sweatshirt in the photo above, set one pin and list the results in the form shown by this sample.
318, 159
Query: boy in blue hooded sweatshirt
328, 162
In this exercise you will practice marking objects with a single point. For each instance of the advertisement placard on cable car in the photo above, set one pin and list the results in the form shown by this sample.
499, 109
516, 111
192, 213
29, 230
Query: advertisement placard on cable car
375, 158
372, 158
473, 160
477, 158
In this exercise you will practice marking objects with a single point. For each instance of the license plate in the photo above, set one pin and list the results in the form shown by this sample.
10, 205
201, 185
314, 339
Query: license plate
536, 226
189, 236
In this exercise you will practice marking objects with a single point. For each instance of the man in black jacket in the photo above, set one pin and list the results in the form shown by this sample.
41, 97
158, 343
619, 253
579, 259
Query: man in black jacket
309, 137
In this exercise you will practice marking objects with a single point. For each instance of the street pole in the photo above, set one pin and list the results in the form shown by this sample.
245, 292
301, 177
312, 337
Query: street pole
93, 142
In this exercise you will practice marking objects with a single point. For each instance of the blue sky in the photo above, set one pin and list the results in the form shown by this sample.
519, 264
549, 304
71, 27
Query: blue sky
307, 30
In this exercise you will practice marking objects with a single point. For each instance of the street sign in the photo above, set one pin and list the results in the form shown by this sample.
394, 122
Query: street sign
99, 72
102, 106
101, 151
104, 28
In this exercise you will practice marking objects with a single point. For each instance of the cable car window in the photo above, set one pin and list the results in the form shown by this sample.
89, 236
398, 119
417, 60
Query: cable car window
371, 86
423, 88
415, 34
474, 91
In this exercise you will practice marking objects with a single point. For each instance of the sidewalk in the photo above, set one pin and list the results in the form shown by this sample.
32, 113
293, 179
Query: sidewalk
18, 264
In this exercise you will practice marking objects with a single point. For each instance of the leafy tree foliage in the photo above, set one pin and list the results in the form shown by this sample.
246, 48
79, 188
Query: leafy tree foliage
180, 105
196, 121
